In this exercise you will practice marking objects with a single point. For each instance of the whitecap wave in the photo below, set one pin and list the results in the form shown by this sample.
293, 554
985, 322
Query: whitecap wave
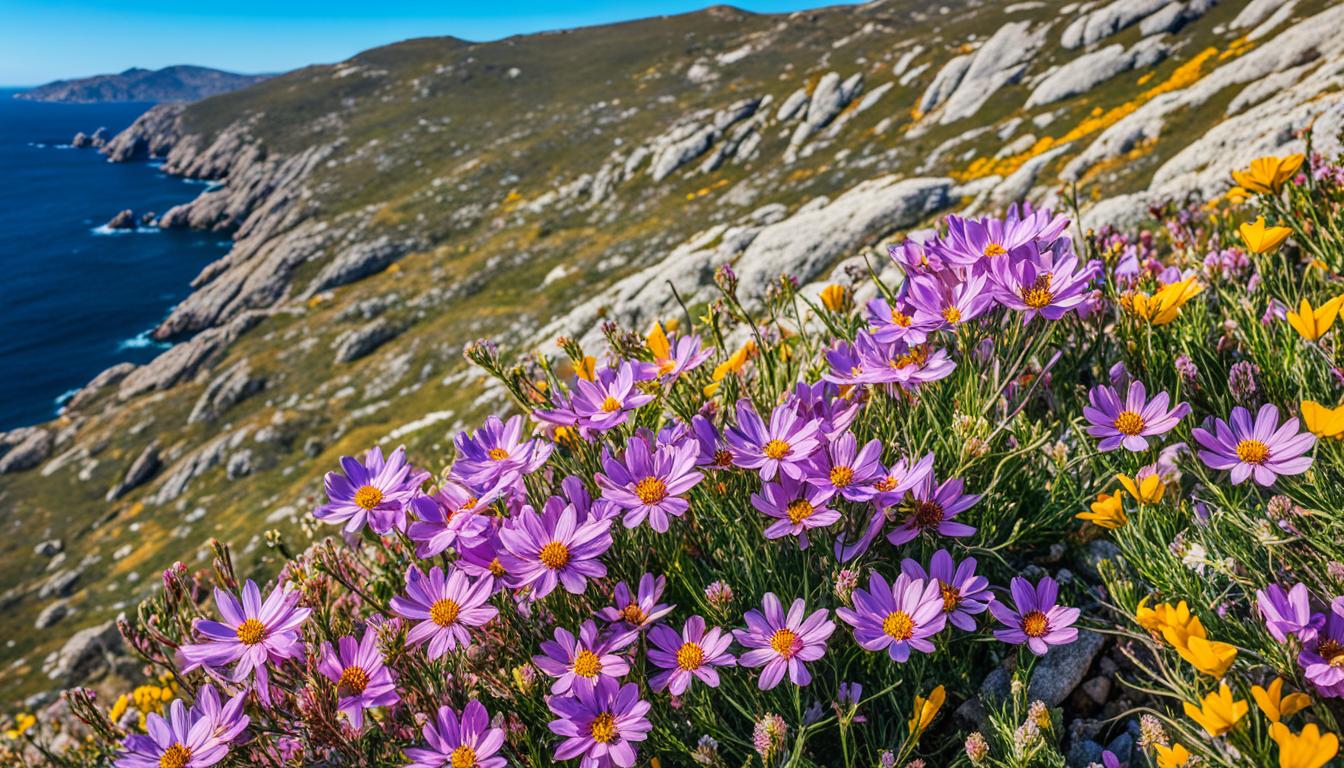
142, 340
106, 230
65, 396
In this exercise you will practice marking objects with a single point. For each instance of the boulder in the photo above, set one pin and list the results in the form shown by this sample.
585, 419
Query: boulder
1058, 672
944, 83
1091, 69
140, 471
1107, 20
49, 548
60, 583
52, 614
361, 341
86, 656
81, 140
1000, 61
24, 448
123, 220
226, 390
358, 262
90, 392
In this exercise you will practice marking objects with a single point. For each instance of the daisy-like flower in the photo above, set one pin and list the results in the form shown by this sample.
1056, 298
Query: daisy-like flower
1261, 449
1130, 423
783, 446
980, 243
845, 365
796, 506
1037, 620
822, 401
639, 609
375, 491
466, 743
675, 355
362, 680
964, 593
1050, 285
446, 520
783, 643
932, 509
496, 454
1288, 612
896, 617
890, 324
253, 633
443, 608
541, 551
713, 449
187, 738
580, 662
690, 654
650, 483
608, 401
900, 363
944, 301
844, 468
1322, 657
599, 724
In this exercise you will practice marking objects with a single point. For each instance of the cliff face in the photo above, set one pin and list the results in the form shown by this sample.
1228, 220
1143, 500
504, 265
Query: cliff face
170, 84
387, 209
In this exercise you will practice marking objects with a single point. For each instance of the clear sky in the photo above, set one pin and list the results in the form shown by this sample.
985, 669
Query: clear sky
42, 40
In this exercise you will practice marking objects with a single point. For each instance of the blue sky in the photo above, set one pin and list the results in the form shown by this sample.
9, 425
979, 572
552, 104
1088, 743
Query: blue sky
42, 40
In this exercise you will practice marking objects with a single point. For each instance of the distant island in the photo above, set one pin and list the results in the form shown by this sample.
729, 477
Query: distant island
176, 83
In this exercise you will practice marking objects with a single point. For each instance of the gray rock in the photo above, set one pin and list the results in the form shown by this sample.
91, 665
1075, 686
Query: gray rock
358, 262
196, 464
312, 447
49, 548
140, 471
184, 359
123, 220
1000, 61
794, 106
944, 83
1083, 753
1106, 21
152, 134
1255, 12
1122, 746
1061, 670
52, 614
239, 464
1096, 551
86, 656
81, 141
362, 341
1098, 689
24, 448
102, 381
1089, 70
226, 390
60, 584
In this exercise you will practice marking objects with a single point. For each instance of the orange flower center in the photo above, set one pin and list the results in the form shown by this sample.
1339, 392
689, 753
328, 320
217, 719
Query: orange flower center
444, 612
799, 510
176, 756
1038, 294
951, 596
841, 476
497, 568
603, 729
587, 664
1129, 423
498, 454
722, 458
898, 625
463, 757
611, 404
785, 643
885, 484
353, 681
651, 490
917, 356
368, 497
776, 449
554, 555
900, 318
994, 249
1332, 651
952, 315
251, 632
928, 514
1252, 451
634, 614
1035, 624
690, 656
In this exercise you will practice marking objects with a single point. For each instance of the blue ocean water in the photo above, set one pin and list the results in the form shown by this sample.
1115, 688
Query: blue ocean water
78, 299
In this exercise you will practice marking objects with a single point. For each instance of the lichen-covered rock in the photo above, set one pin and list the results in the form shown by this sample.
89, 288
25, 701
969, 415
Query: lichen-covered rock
362, 341
358, 262
1000, 61
140, 471
1091, 69
1106, 21
24, 448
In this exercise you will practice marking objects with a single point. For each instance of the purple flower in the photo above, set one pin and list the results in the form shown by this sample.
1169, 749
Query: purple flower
580, 662
783, 643
845, 469
896, 617
648, 483
599, 723
822, 401
681, 354
890, 324
1128, 424
845, 365
1037, 621
981, 243
1109, 760
1048, 285
692, 653
446, 519
639, 610
497, 455
964, 593
443, 608
931, 510
900, 363
1288, 612
556, 548
375, 492
713, 449
605, 403
796, 506
469, 742
944, 301
1322, 657
362, 680
888, 489
1263, 449
195, 738
253, 633
784, 446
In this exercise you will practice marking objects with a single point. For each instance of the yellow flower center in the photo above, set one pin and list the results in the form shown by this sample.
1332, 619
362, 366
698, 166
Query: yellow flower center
651, 490
841, 476
633, 614
603, 729
994, 249
951, 596
928, 514
464, 757
1035, 624
1128, 423
1038, 295
690, 656
952, 315
498, 454
1252, 451
917, 356
611, 404
251, 632
900, 318
497, 568
1332, 651
776, 449
587, 664
176, 756
722, 458
554, 555
368, 497
898, 625
799, 510
785, 643
353, 681
885, 484
444, 612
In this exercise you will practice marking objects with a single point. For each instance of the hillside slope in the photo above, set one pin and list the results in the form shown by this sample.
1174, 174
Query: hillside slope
171, 84
388, 209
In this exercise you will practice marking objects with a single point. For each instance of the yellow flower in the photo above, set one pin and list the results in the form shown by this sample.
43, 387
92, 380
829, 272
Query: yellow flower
1275, 705
1322, 421
22, 723
1148, 490
735, 362
119, 708
1312, 324
1108, 511
1210, 657
1177, 624
1219, 711
1237, 195
1165, 304
1262, 239
587, 368
835, 297
658, 343
1267, 175
1174, 756
926, 710
1309, 749
1148, 617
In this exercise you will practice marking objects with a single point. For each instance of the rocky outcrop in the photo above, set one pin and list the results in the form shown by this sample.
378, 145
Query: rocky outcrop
693, 135
95, 140
123, 220
183, 360
1002, 60
1256, 12
195, 464
358, 262
24, 448
140, 471
52, 614
830, 96
87, 655
362, 341
226, 390
944, 83
94, 388
1091, 69
1107, 20
1174, 15
151, 135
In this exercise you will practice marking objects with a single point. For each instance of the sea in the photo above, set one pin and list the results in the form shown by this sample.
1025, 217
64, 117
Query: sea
76, 297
